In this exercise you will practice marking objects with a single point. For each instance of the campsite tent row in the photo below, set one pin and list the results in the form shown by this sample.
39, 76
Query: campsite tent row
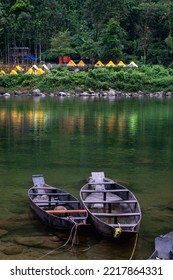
32, 70
132, 64
39, 71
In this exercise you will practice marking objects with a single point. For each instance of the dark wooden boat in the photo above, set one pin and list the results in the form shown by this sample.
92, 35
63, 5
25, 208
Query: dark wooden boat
56, 208
113, 209
163, 247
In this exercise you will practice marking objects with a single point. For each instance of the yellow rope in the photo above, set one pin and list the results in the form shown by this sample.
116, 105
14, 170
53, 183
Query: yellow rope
134, 247
117, 231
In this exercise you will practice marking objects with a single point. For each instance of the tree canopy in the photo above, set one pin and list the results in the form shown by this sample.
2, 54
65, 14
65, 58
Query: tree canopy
112, 29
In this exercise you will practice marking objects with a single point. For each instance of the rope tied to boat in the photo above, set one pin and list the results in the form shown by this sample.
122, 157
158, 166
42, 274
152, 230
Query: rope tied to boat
117, 231
73, 233
73, 237
134, 247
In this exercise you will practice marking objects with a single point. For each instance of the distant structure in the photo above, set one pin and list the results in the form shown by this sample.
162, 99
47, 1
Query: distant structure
20, 55
64, 59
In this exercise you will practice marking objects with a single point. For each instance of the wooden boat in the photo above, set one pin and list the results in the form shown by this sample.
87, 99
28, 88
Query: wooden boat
56, 208
113, 209
163, 247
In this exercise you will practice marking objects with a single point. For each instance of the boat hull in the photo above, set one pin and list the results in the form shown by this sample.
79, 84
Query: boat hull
51, 221
163, 247
113, 209
49, 203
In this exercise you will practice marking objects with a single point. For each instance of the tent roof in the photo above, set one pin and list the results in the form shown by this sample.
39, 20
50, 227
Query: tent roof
18, 68
35, 67
99, 63
39, 71
71, 63
13, 72
45, 67
110, 63
121, 63
132, 64
81, 63
30, 71
2, 72
30, 57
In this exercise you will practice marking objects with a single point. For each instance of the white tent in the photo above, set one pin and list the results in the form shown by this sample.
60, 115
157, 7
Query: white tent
132, 64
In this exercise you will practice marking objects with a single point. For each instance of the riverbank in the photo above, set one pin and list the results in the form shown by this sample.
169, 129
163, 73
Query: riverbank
111, 93
105, 81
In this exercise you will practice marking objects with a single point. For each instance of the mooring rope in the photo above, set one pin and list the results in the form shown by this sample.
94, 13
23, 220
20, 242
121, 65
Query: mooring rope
73, 237
134, 247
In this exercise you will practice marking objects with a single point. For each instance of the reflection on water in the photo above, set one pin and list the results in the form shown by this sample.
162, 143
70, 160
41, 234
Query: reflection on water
131, 140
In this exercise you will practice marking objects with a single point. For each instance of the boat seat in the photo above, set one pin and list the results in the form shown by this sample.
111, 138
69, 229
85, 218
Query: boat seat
107, 201
115, 214
123, 225
67, 201
66, 211
43, 204
50, 194
77, 218
164, 247
39, 183
105, 191
98, 176
54, 203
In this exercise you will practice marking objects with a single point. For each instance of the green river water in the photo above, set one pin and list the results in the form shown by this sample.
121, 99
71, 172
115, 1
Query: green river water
65, 139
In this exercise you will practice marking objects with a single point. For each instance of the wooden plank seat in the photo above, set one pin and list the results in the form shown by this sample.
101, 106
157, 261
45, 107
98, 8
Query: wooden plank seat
104, 191
43, 203
116, 214
53, 202
123, 225
110, 202
101, 183
77, 218
51, 194
71, 211
67, 201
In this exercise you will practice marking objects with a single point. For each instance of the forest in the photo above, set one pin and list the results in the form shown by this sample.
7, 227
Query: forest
139, 30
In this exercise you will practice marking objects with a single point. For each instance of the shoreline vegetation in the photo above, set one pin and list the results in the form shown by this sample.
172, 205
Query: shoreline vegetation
145, 80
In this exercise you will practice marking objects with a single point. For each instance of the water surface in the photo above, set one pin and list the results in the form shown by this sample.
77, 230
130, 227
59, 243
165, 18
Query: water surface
65, 139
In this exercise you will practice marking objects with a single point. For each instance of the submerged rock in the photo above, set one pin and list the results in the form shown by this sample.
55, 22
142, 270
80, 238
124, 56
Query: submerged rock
3, 232
170, 205
54, 238
11, 249
29, 241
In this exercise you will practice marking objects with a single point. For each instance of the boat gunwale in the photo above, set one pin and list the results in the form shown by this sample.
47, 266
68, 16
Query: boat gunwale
110, 182
49, 203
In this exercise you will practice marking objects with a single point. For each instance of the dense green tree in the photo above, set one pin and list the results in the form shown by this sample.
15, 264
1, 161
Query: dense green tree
139, 29
60, 44
112, 41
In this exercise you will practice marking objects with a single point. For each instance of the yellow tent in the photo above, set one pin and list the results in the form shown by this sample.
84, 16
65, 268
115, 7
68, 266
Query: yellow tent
39, 71
71, 63
99, 64
81, 63
30, 71
19, 68
2, 72
110, 63
13, 72
132, 64
121, 64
